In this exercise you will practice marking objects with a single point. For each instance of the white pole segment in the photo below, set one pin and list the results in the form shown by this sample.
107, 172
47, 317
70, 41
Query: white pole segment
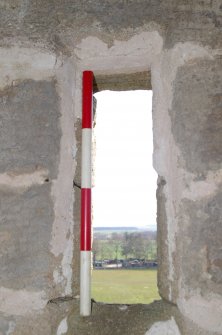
85, 283
86, 158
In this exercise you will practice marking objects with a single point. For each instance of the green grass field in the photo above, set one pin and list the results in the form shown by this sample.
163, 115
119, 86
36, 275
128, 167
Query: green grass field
125, 286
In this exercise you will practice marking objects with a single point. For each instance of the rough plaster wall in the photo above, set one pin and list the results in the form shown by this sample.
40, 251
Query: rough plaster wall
29, 148
200, 207
36, 118
59, 26
29, 118
184, 122
45, 46
62, 190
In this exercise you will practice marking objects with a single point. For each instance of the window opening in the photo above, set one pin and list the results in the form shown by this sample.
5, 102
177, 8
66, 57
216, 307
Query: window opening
124, 200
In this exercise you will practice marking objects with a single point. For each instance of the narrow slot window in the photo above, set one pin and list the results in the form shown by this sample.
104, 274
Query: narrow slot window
124, 200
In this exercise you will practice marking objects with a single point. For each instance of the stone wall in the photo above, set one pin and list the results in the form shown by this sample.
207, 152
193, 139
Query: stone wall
44, 47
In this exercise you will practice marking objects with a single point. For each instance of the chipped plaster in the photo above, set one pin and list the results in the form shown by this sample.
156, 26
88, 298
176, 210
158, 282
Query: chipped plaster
24, 63
166, 153
62, 188
130, 56
10, 301
63, 327
205, 311
164, 327
22, 181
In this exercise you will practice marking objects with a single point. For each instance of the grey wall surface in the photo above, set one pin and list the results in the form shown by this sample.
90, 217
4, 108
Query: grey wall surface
30, 134
29, 141
57, 24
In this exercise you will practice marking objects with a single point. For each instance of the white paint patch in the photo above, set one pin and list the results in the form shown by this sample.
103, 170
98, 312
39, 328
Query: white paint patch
57, 276
24, 63
203, 188
130, 56
63, 327
67, 265
11, 328
63, 273
78, 95
62, 187
21, 302
164, 328
205, 311
23, 181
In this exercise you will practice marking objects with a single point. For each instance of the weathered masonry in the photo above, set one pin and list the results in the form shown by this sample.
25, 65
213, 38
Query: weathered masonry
44, 47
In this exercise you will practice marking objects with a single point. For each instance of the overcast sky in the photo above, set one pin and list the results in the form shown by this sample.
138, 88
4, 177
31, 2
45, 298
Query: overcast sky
125, 182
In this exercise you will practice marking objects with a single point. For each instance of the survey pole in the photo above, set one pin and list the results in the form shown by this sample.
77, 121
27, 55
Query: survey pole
86, 175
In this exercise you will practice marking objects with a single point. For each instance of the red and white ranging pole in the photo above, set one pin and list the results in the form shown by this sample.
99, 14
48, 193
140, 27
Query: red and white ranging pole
85, 243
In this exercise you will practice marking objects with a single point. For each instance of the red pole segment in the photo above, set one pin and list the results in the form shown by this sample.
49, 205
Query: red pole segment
87, 92
85, 219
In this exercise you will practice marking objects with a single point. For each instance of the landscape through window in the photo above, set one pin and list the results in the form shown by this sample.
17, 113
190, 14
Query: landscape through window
124, 201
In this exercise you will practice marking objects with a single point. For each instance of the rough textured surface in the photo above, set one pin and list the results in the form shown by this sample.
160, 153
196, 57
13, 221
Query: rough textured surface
202, 258
196, 115
40, 323
162, 250
30, 134
76, 210
30, 142
25, 261
121, 319
53, 23
123, 82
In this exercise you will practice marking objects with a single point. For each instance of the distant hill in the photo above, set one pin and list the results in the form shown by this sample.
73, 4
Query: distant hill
123, 229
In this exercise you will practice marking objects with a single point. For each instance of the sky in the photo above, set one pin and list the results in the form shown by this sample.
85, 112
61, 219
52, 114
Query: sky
125, 181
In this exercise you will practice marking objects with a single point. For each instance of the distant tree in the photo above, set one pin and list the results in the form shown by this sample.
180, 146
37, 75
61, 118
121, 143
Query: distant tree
126, 245
96, 249
138, 245
108, 251
151, 249
116, 242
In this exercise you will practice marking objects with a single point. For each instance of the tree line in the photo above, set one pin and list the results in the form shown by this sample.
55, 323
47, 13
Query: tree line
127, 245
